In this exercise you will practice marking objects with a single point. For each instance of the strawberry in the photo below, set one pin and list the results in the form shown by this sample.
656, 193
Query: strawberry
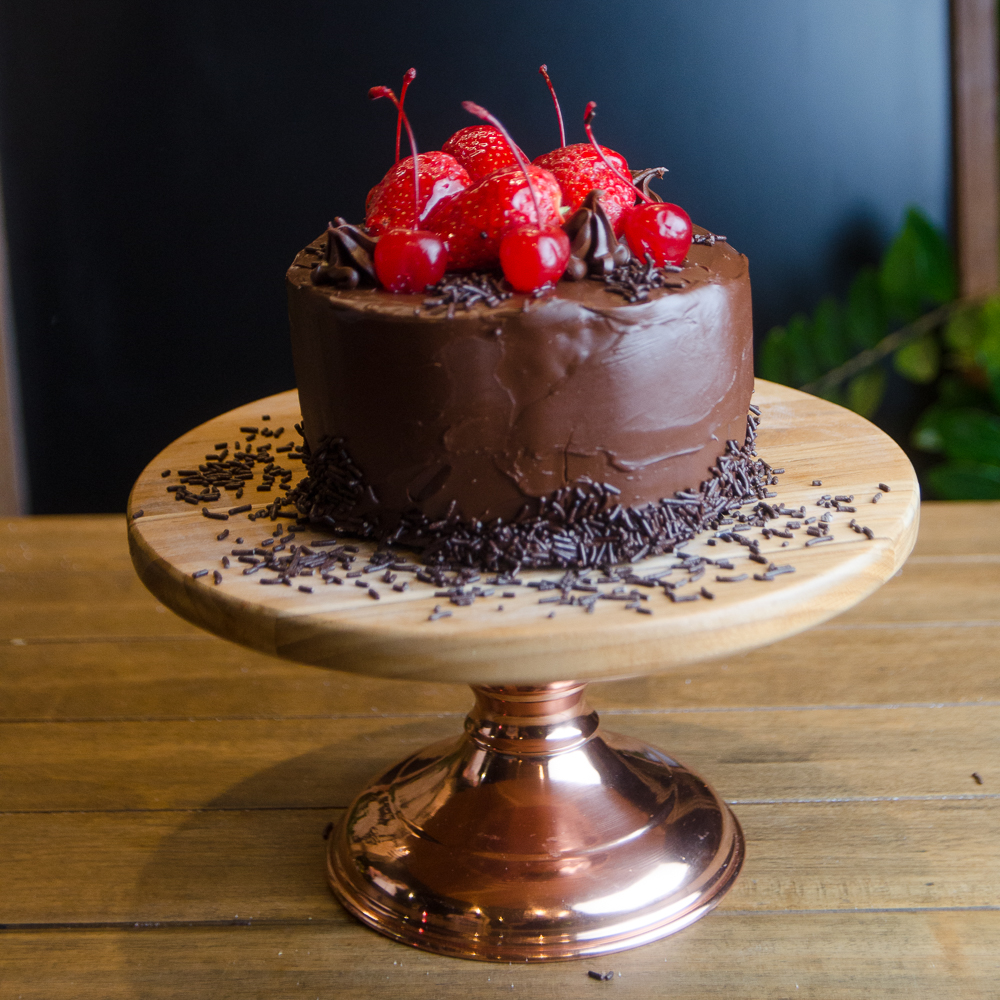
579, 171
473, 222
390, 202
481, 149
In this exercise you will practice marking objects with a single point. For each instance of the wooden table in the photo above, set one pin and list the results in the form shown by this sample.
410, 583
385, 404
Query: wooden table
165, 794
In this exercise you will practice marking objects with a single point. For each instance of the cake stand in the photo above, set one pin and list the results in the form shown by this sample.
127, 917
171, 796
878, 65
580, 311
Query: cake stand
536, 835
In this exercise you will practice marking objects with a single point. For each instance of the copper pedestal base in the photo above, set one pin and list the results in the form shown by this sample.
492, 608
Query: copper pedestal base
535, 836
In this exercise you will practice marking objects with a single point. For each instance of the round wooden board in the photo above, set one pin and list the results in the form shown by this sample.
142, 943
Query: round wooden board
343, 628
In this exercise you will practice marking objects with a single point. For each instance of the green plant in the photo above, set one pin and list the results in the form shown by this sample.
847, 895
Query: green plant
905, 312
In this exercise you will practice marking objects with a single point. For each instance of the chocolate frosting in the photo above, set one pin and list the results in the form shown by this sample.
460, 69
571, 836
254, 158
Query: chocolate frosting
593, 247
500, 404
349, 258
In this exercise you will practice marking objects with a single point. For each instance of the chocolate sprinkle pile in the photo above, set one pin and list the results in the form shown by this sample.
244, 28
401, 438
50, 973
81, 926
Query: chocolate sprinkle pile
459, 289
578, 526
635, 280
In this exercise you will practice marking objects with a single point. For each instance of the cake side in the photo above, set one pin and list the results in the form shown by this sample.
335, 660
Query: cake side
487, 410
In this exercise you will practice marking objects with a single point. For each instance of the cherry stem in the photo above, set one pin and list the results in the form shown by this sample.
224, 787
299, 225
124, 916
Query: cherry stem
408, 77
375, 93
588, 117
481, 112
544, 70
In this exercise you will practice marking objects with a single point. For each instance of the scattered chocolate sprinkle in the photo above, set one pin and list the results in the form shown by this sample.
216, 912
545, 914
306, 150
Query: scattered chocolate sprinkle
374, 594
137, 514
305, 589
731, 579
241, 510
199, 573
434, 616
816, 541
884, 488
876, 498
817, 482
165, 473
216, 576
327, 830
976, 778
707, 594
225, 562
603, 977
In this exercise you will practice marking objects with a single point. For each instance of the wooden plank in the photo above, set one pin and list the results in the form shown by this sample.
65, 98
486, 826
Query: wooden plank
269, 864
265, 764
958, 528
204, 677
817, 956
977, 177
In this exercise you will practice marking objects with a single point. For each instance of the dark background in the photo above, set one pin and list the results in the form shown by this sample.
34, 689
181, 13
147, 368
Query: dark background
163, 162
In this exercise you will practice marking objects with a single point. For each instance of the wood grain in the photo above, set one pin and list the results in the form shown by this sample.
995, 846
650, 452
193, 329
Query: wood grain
342, 627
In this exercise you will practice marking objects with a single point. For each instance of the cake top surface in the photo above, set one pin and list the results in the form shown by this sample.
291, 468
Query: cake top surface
706, 263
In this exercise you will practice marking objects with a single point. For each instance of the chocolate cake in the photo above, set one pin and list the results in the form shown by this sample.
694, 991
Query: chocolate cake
503, 430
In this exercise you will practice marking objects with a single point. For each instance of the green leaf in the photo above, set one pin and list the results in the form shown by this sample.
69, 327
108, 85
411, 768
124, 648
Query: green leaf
774, 362
828, 335
804, 367
917, 270
988, 354
967, 434
865, 390
864, 319
965, 481
919, 361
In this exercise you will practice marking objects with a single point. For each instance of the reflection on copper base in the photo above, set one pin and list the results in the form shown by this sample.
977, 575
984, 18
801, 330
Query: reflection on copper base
535, 836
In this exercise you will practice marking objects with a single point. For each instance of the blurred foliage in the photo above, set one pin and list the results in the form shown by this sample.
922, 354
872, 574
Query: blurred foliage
905, 313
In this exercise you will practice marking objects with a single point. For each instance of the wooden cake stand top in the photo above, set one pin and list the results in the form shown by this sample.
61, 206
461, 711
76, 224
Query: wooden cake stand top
344, 628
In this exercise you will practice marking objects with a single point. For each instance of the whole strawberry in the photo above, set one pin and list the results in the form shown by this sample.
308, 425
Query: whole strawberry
390, 202
473, 222
481, 149
580, 170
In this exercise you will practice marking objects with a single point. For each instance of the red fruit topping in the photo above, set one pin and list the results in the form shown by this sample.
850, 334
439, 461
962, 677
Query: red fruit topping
580, 170
473, 222
532, 257
481, 149
408, 261
544, 70
659, 229
536, 254
390, 203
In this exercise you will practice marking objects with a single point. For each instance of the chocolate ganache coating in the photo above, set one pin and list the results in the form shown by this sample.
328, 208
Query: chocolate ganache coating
493, 407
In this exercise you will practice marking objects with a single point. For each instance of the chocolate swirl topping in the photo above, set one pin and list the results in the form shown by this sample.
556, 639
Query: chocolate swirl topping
593, 247
350, 257
641, 179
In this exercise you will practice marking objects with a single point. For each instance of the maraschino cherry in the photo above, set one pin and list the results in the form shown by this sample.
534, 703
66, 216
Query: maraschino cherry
656, 228
408, 260
530, 256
